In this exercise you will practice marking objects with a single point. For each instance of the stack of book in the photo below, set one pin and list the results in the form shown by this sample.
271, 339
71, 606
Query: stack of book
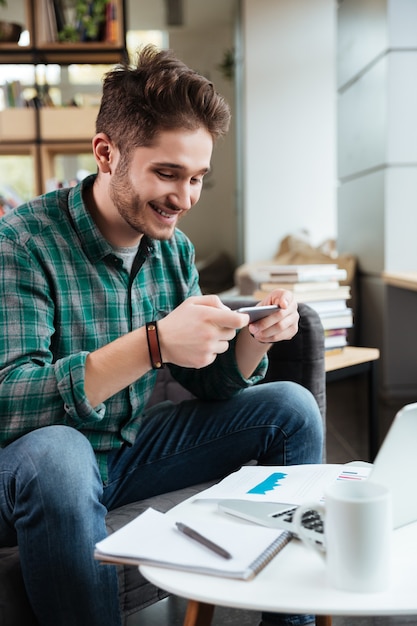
317, 285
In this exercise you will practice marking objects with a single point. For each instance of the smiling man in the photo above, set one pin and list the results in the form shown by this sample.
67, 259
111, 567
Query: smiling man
100, 290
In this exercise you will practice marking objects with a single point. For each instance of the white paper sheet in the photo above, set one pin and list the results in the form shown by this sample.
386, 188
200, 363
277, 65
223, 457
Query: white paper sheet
292, 484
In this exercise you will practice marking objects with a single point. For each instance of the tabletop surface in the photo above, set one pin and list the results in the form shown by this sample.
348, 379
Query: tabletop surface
404, 280
350, 355
295, 580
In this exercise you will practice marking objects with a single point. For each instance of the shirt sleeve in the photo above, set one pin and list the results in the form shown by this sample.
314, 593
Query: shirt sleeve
35, 391
70, 376
221, 379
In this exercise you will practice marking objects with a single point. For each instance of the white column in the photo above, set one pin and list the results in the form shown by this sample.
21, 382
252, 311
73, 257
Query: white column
289, 131
377, 200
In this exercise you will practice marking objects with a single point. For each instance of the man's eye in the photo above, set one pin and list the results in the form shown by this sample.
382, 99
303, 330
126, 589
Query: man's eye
166, 175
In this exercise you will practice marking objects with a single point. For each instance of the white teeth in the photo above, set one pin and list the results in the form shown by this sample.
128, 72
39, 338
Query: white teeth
161, 212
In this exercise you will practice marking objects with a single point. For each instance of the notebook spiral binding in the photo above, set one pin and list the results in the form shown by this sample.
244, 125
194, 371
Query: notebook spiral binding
276, 546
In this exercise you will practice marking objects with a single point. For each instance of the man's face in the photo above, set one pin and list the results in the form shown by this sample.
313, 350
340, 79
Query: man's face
161, 183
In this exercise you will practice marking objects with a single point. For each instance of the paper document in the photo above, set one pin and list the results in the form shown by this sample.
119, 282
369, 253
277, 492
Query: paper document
292, 484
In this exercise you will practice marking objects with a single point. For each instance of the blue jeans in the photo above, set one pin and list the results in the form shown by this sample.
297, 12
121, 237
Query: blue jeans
53, 503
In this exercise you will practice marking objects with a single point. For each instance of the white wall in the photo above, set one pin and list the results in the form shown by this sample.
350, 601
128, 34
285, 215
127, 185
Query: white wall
212, 223
289, 101
287, 131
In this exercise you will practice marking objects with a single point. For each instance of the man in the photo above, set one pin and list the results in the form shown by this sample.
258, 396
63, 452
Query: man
99, 289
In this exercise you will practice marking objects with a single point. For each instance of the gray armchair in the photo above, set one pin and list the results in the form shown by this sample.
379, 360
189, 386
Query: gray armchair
300, 359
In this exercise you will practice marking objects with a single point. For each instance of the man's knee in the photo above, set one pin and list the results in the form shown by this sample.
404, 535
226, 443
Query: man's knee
58, 456
291, 395
289, 402
55, 443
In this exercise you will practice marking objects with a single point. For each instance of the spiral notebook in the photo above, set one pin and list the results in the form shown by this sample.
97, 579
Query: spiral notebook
153, 538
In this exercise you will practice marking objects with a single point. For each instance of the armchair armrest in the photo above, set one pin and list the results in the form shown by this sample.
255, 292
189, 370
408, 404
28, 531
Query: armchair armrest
300, 359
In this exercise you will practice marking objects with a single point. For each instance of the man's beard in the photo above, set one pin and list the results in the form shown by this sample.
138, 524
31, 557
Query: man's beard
127, 203
131, 207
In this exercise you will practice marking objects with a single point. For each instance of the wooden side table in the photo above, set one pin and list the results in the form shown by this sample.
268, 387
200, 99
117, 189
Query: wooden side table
354, 361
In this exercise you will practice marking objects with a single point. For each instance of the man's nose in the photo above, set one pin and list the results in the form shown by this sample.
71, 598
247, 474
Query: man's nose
185, 196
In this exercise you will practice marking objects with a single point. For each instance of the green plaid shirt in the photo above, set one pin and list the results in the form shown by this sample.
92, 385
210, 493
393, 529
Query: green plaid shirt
65, 293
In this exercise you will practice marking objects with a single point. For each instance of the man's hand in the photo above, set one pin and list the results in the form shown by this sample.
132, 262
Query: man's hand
255, 340
280, 325
199, 329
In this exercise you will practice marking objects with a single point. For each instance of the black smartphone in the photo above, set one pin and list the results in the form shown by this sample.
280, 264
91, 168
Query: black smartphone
258, 312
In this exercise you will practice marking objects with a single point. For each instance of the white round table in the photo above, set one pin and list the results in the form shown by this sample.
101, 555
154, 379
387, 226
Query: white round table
295, 581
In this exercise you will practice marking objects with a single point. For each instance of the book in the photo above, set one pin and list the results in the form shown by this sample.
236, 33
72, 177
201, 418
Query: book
341, 292
325, 306
300, 286
335, 332
153, 538
299, 273
50, 26
111, 22
59, 15
333, 351
337, 319
334, 341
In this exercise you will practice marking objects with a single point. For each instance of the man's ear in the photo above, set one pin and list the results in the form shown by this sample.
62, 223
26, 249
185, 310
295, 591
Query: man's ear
104, 153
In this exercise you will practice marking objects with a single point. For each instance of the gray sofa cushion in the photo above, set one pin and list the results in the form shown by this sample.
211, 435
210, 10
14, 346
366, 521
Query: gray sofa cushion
15, 609
301, 359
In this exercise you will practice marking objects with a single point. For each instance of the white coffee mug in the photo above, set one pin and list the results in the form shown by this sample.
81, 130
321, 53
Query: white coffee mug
357, 519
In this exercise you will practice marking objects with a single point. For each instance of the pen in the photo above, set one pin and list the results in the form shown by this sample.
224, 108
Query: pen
193, 534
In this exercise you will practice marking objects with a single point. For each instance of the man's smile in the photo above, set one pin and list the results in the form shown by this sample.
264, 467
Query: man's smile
164, 212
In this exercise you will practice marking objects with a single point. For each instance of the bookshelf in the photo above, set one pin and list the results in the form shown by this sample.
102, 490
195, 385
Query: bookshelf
45, 47
45, 131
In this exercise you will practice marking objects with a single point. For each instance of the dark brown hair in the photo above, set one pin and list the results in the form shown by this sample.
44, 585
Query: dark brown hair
161, 93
